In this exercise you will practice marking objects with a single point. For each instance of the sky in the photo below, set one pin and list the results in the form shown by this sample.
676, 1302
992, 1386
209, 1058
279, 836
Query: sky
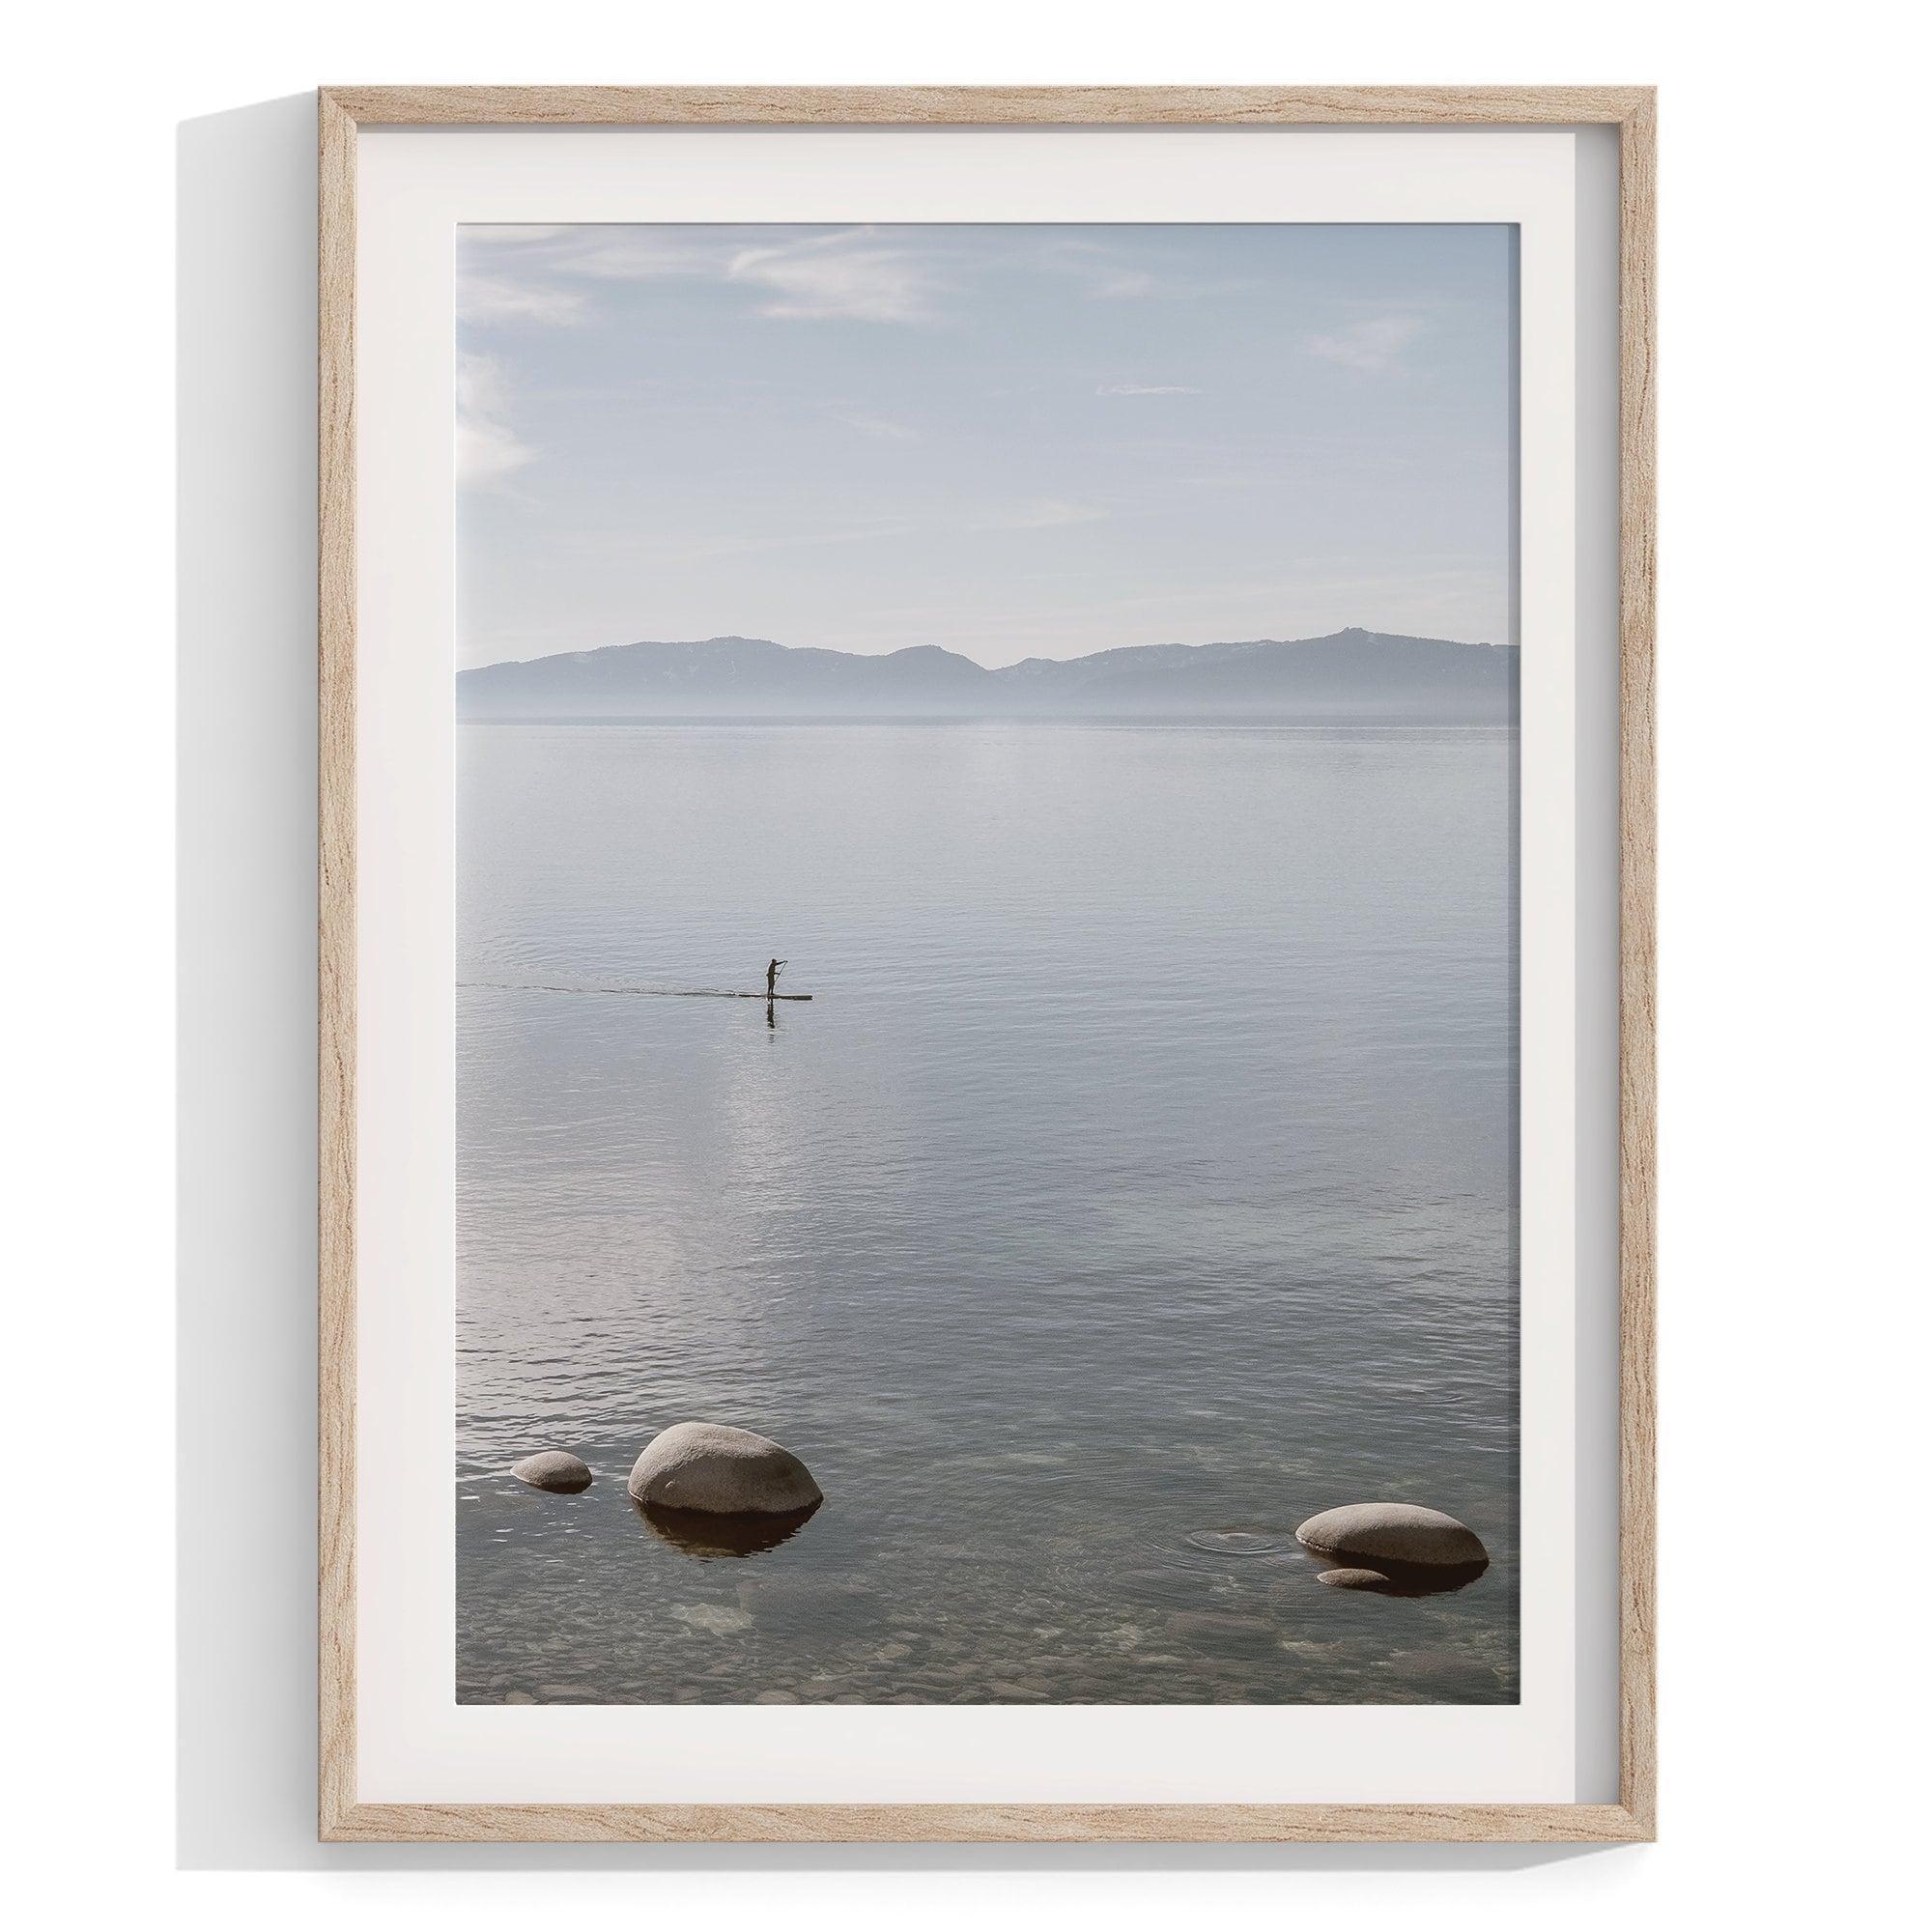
1008, 440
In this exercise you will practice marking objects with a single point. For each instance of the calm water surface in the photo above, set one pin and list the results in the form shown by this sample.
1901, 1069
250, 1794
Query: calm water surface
1137, 1184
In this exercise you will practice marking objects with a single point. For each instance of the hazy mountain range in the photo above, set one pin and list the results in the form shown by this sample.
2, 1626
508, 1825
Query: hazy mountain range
1351, 677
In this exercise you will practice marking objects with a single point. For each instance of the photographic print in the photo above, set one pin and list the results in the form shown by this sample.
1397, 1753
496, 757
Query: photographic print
987, 1010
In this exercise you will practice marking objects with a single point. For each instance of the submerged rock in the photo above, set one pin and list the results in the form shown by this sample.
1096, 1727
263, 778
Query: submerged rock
554, 1469
1354, 1579
1405, 1534
721, 1471
714, 1619
701, 1533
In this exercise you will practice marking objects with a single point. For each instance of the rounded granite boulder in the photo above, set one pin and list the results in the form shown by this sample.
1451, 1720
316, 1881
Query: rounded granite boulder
722, 1471
1376, 1534
556, 1469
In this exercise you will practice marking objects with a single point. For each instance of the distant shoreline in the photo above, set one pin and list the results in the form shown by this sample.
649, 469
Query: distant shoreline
1349, 677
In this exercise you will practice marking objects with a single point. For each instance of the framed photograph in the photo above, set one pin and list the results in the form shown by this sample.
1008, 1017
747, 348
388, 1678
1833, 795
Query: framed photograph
987, 963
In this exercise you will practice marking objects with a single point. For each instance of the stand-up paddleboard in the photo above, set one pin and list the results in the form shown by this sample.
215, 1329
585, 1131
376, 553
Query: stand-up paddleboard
631, 992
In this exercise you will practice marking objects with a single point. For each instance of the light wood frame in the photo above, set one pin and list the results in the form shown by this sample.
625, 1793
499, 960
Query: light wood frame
343, 111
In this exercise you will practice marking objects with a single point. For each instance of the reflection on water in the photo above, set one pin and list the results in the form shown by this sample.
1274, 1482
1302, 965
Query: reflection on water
702, 1534
1402, 1579
1137, 1185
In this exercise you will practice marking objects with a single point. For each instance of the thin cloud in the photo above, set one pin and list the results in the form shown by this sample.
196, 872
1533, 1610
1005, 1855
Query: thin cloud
649, 258
1146, 389
488, 451
847, 274
883, 428
1105, 273
1371, 346
848, 277
523, 275
1099, 270
490, 298
1050, 513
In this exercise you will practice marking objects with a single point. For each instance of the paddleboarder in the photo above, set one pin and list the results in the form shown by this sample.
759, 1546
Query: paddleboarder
772, 973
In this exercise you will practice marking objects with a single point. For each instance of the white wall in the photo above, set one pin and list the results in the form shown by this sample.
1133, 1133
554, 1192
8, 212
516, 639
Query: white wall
1794, 695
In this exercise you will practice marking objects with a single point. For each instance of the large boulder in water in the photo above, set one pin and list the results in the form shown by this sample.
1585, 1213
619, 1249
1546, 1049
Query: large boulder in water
556, 1469
705, 1465
1376, 1535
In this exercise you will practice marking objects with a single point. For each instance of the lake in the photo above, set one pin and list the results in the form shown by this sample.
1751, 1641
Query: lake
1138, 1182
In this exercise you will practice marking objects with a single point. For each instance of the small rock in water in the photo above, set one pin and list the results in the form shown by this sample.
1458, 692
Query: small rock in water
705, 1465
1353, 1579
1399, 1533
553, 1469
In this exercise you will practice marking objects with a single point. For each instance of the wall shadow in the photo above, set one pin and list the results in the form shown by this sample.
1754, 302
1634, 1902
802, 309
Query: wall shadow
245, 824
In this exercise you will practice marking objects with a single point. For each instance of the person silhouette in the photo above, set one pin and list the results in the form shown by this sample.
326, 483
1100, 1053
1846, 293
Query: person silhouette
772, 973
